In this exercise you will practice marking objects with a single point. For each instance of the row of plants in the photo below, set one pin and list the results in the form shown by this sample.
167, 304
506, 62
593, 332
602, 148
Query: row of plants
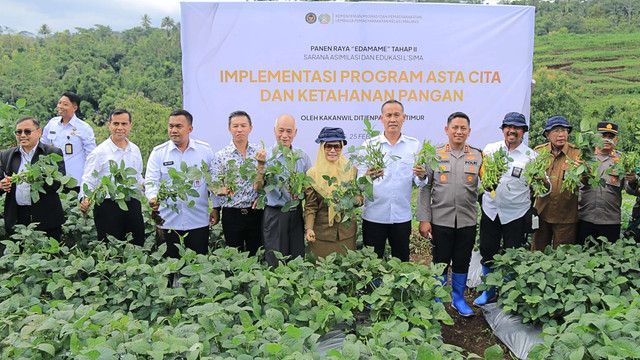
585, 298
106, 299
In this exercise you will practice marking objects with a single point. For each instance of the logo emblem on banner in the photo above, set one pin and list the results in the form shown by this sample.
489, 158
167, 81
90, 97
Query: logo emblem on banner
310, 18
325, 18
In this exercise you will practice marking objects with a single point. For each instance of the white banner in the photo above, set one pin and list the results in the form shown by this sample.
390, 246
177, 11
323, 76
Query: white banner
333, 64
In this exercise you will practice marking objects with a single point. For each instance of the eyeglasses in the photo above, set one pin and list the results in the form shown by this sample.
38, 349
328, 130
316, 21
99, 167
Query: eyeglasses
26, 132
332, 146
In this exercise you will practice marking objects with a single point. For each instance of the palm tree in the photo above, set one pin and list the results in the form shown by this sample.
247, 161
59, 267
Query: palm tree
167, 22
145, 21
44, 30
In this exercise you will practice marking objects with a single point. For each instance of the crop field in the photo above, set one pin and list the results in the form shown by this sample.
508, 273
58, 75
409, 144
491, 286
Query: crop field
605, 68
85, 299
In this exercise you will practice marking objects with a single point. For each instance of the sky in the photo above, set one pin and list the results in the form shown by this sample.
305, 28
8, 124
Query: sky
59, 15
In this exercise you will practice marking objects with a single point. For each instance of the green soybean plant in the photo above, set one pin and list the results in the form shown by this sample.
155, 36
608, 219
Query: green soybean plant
494, 166
536, 172
179, 186
44, 172
120, 185
586, 169
282, 175
346, 197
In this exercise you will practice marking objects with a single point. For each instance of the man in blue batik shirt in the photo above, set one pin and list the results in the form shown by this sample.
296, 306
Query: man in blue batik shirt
282, 231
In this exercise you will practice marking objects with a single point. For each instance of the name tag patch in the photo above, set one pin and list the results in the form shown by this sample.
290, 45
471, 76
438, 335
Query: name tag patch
167, 163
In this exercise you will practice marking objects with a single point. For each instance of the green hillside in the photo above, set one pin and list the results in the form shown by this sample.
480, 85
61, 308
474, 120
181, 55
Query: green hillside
601, 72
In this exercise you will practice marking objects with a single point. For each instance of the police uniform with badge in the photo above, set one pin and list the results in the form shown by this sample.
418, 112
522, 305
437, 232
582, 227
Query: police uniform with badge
599, 209
448, 202
450, 197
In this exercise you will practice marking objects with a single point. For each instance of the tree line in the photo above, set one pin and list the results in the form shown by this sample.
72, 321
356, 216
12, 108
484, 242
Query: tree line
140, 69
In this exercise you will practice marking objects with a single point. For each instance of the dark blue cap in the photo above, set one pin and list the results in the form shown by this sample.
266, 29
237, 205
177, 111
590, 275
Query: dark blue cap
331, 134
515, 119
556, 121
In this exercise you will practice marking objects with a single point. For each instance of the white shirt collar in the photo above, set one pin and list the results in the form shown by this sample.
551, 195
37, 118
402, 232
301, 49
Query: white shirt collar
115, 147
28, 154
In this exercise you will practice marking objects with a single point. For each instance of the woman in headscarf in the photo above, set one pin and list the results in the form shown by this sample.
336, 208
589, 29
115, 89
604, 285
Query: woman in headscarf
325, 231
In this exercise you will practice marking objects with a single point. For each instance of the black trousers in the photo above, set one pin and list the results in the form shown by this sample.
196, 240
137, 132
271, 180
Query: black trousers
23, 217
194, 239
585, 228
111, 220
67, 190
451, 245
512, 235
242, 228
283, 232
376, 235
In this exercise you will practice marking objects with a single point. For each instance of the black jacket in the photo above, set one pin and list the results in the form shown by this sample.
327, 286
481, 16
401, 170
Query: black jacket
48, 210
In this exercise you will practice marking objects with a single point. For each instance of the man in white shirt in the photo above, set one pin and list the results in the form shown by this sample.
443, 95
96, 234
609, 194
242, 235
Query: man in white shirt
503, 216
72, 135
389, 215
109, 218
192, 223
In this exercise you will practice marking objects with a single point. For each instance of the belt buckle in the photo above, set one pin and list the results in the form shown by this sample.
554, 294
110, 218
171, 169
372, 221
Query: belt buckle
244, 211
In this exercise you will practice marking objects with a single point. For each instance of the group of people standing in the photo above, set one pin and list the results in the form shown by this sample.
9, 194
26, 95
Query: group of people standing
446, 207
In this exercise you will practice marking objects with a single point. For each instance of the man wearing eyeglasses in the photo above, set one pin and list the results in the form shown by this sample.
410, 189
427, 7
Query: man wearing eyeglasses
389, 215
18, 207
558, 211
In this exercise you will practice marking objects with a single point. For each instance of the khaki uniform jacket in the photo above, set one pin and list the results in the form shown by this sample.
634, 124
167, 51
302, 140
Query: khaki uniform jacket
316, 217
450, 196
602, 206
558, 207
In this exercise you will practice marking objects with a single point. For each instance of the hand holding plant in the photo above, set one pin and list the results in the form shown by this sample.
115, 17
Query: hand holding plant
585, 168
284, 177
536, 172
120, 186
43, 172
370, 154
627, 164
495, 166
179, 186
427, 157
347, 196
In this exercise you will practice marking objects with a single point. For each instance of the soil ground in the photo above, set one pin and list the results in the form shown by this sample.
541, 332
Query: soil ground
472, 334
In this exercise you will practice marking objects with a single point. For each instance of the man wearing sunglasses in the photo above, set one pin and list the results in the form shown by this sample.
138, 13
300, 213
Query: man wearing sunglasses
18, 207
